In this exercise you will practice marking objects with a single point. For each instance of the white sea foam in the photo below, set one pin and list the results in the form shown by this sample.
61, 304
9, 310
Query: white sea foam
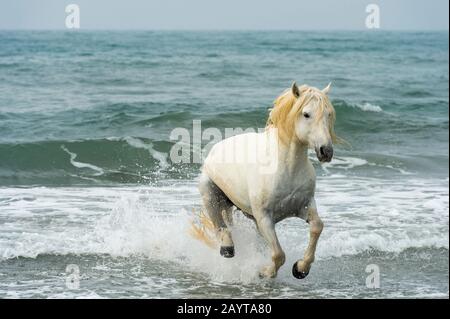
368, 107
343, 162
360, 215
159, 156
73, 156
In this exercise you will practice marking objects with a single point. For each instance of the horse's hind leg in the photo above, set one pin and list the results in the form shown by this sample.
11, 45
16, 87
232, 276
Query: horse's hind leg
219, 209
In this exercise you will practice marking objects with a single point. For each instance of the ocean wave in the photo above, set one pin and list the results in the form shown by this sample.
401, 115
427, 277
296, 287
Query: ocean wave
104, 160
134, 159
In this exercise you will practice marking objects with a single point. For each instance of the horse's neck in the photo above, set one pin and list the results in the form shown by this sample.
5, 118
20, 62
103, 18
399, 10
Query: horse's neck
293, 157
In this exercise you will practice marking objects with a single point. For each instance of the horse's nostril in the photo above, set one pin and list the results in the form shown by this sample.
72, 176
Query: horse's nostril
322, 150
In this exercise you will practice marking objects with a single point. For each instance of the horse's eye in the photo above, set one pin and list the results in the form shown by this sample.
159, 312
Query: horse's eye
306, 115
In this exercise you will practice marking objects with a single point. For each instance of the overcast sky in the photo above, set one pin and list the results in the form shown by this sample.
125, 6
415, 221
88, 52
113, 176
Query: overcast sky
226, 14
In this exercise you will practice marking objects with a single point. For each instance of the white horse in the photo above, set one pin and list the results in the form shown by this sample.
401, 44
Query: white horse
303, 117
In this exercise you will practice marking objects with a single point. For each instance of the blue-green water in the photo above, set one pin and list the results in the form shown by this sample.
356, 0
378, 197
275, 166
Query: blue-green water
85, 176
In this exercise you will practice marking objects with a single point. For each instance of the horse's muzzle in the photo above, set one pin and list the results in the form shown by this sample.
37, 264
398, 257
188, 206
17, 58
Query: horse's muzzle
324, 153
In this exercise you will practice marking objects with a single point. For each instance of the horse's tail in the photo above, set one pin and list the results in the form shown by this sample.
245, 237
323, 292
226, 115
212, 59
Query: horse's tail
203, 229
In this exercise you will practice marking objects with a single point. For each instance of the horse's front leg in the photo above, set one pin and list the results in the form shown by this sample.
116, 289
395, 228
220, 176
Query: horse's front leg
266, 227
301, 268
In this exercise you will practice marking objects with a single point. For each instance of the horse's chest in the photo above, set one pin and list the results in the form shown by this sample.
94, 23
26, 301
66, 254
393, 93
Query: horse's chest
292, 200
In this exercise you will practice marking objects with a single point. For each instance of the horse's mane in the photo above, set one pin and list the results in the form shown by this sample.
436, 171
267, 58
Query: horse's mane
287, 106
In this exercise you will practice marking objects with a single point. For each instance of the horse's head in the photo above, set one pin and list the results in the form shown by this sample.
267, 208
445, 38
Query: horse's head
315, 120
306, 114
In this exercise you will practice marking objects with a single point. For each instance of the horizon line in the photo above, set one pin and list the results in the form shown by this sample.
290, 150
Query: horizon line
226, 30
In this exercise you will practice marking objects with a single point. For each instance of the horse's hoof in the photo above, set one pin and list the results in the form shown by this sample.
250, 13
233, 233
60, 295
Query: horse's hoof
298, 274
227, 251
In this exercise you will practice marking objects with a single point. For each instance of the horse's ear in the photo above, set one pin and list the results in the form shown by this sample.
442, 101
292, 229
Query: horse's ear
295, 90
327, 89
